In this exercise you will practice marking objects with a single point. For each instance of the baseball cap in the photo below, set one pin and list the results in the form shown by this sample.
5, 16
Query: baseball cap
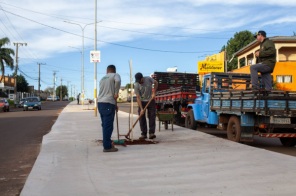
263, 33
138, 77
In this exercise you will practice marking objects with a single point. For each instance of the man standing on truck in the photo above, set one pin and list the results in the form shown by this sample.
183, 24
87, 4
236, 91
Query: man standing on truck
265, 61
145, 90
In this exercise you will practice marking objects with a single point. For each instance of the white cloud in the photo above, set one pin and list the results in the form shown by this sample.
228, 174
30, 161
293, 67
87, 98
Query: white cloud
194, 17
133, 22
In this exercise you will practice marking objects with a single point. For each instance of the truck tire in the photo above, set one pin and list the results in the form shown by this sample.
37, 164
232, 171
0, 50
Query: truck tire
234, 129
190, 123
288, 142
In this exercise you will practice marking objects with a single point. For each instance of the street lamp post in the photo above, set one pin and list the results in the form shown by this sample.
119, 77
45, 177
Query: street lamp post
82, 64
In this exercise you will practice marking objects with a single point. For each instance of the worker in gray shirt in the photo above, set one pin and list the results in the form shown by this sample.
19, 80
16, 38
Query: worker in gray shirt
145, 89
108, 94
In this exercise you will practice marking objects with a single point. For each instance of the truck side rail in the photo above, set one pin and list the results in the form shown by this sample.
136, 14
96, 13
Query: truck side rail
180, 93
274, 102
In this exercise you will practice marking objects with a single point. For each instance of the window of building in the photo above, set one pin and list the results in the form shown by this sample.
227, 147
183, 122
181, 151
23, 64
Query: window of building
284, 79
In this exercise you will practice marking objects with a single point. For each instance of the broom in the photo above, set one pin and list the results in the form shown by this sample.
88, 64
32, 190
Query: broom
127, 136
118, 141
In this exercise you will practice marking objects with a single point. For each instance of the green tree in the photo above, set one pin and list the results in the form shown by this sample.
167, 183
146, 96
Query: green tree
128, 86
22, 84
64, 91
5, 56
239, 40
49, 90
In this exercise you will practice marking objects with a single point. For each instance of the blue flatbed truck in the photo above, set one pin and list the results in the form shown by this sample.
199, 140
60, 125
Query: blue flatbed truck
226, 101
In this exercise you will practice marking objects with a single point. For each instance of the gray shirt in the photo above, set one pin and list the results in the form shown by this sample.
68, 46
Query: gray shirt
109, 86
145, 89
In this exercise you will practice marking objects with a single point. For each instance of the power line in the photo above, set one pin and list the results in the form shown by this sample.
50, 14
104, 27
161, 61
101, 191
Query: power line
121, 45
29, 51
159, 34
148, 33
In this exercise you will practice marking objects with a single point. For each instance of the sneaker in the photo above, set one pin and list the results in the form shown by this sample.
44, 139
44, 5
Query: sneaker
113, 149
143, 137
152, 136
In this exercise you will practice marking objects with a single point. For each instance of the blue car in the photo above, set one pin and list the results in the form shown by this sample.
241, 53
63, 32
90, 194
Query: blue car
32, 103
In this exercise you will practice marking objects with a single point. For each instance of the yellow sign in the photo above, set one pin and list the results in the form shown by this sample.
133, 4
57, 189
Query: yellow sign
210, 66
216, 57
213, 63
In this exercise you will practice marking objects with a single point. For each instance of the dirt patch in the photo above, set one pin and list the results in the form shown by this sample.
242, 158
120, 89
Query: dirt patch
126, 142
140, 142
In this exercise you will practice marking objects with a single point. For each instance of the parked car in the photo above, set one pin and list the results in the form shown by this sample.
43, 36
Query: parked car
49, 98
32, 103
21, 103
134, 99
65, 98
4, 105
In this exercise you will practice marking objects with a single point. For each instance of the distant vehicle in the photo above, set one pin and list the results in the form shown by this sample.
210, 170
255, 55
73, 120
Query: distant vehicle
134, 99
65, 98
32, 103
21, 103
4, 105
50, 98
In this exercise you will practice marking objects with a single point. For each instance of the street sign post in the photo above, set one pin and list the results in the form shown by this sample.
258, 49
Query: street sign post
95, 56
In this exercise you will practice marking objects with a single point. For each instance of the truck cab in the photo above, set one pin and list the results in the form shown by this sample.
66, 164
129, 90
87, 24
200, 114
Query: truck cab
200, 109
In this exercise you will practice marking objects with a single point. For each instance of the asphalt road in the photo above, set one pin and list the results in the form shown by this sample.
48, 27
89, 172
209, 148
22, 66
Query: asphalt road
272, 144
21, 135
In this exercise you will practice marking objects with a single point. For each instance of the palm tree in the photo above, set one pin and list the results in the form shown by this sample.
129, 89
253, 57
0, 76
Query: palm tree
5, 56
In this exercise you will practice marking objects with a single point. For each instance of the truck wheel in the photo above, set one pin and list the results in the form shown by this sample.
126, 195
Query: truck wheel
234, 129
288, 142
189, 121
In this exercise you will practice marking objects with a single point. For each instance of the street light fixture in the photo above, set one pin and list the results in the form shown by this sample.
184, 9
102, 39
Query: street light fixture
82, 59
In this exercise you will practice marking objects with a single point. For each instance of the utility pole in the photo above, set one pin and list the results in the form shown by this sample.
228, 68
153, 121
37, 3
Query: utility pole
95, 64
71, 91
54, 79
68, 91
17, 44
39, 77
61, 90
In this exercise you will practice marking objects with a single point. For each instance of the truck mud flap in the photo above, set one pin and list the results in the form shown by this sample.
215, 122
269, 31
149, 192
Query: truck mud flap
246, 134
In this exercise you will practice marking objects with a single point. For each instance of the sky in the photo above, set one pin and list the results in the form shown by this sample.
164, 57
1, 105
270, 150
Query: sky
146, 35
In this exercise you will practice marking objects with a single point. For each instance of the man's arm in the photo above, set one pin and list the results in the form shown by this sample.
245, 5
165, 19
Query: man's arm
268, 49
154, 89
117, 82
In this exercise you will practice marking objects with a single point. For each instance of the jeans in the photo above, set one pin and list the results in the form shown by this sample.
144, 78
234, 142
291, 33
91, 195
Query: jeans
107, 113
151, 117
265, 75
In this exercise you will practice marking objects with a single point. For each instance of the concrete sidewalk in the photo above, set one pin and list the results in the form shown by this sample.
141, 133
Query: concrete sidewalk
184, 162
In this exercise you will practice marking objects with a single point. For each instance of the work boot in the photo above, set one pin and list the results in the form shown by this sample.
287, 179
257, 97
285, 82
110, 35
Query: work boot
143, 137
152, 136
113, 149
